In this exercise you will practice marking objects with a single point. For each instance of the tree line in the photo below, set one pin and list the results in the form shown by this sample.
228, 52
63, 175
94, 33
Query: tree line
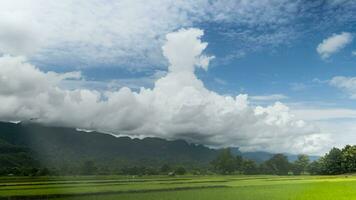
336, 161
278, 164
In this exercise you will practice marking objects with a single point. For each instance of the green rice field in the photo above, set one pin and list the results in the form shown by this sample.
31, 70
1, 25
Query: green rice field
183, 187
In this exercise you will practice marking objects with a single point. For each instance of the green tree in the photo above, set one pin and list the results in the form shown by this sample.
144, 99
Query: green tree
249, 167
301, 164
278, 164
239, 163
225, 162
349, 158
180, 170
333, 162
316, 167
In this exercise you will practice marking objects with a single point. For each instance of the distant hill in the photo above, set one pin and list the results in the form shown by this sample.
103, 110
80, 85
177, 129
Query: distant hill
63, 147
261, 156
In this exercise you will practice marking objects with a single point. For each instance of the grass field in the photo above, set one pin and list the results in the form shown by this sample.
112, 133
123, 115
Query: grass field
184, 187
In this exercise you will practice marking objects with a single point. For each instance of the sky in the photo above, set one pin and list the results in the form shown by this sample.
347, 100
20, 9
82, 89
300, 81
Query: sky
271, 75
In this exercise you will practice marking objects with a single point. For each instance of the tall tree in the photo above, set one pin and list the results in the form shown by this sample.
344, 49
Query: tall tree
225, 162
349, 158
278, 164
316, 167
239, 163
180, 170
333, 162
249, 167
301, 164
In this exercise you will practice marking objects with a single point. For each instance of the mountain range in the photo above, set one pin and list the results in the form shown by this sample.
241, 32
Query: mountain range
35, 144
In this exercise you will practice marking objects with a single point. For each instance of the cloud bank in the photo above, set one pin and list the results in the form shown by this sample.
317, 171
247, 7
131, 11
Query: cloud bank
333, 44
178, 106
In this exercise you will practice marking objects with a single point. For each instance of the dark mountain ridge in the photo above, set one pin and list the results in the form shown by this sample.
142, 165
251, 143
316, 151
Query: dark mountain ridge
63, 147
55, 146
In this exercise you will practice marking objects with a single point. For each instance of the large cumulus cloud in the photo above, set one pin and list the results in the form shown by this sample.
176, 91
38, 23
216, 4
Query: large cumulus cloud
178, 106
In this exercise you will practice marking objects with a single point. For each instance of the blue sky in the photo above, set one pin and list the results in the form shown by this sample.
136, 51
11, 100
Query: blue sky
299, 53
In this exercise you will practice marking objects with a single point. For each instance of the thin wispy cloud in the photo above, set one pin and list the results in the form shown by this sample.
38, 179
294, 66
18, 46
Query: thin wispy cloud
319, 114
298, 86
129, 33
272, 97
346, 84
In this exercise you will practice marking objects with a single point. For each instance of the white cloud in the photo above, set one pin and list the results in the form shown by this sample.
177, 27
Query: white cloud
353, 53
347, 84
185, 44
272, 97
178, 106
334, 44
